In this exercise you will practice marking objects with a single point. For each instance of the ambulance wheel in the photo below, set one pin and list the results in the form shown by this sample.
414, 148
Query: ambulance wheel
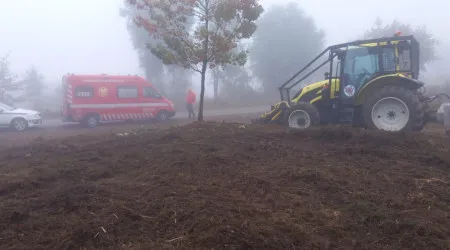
91, 121
162, 116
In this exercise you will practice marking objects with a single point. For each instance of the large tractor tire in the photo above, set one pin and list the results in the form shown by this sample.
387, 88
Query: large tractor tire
394, 108
302, 115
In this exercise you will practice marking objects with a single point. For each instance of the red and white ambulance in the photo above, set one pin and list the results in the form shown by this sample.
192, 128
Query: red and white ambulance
91, 99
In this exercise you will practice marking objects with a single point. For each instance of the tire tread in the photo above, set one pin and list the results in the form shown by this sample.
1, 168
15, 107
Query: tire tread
310, 109
412, 98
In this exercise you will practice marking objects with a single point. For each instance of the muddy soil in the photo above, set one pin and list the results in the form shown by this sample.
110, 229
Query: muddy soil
227, 186
9, 138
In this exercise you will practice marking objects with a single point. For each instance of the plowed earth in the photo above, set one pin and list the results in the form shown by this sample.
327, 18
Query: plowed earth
215, 185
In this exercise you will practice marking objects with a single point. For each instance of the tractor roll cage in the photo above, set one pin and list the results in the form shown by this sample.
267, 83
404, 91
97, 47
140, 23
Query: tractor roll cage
332, 50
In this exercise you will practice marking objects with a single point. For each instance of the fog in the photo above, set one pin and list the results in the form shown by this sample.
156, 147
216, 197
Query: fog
84, 36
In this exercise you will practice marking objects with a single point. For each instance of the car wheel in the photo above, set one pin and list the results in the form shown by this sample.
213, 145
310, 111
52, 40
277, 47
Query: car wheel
19, 124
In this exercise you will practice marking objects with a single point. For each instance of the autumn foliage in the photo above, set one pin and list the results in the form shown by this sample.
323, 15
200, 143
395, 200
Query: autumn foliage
219, 27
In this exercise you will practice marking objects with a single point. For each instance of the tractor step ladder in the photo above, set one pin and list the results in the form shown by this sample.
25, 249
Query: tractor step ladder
346, 115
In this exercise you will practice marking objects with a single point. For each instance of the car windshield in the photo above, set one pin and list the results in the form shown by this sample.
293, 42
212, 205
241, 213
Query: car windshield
5, 107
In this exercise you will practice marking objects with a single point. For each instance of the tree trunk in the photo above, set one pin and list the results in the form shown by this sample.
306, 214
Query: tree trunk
204, 65
216, 84
202, 91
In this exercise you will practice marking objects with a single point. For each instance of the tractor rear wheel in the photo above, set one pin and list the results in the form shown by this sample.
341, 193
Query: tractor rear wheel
302, 115
394, 108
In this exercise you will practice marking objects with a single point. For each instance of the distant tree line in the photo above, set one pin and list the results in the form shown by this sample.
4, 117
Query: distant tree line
29, 85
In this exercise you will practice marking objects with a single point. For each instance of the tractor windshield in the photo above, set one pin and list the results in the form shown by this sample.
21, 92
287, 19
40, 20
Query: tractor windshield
361, 63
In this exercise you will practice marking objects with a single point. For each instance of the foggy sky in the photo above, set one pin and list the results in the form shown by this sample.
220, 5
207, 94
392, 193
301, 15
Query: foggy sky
89, 36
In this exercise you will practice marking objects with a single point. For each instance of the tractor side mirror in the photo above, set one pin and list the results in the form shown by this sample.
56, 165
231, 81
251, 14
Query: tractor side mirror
327, 75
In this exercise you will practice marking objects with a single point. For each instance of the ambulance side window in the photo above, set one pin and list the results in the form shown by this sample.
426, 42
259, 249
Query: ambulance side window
151, 93
84, 91
127, 92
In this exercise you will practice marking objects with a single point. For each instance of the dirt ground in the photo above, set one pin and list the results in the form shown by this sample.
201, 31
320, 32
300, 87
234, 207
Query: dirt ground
12, 138
228, 186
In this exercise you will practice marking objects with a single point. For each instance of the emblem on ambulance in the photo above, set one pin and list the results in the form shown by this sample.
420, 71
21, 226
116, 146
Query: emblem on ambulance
103, 91
349, 90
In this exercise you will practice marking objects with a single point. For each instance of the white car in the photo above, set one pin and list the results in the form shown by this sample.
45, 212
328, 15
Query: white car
18, 119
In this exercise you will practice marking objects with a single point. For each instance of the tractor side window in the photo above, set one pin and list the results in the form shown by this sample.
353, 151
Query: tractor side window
127, 92
388, 59
84, 92
404, 57
151, 93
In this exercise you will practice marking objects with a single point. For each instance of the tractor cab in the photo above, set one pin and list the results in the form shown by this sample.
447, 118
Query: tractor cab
353, 65
363, 63
356, 74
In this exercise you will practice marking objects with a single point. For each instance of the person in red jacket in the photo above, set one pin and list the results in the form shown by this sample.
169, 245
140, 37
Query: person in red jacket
190, 101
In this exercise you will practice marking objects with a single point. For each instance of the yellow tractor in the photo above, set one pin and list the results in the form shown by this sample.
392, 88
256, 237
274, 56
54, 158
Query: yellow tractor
370, 83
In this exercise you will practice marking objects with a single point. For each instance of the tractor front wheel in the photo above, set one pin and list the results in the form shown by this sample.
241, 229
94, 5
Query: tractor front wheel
393, 108
302, 116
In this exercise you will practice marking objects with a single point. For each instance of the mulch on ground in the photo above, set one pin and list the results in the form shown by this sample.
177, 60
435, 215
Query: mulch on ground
225, 185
